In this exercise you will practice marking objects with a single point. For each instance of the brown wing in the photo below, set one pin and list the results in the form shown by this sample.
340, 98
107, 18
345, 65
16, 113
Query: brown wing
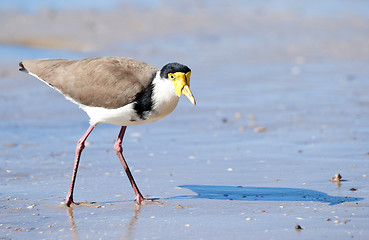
109, 82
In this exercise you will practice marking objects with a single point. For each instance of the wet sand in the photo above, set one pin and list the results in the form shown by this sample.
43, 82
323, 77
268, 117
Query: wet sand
282, 93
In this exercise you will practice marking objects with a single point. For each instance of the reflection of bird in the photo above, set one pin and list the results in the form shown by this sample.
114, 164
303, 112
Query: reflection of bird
115, 90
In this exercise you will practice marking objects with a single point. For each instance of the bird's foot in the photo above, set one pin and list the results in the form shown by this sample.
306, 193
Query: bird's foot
141, 200
70, 202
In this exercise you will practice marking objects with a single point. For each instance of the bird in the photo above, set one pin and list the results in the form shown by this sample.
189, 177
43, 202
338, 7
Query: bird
114, 90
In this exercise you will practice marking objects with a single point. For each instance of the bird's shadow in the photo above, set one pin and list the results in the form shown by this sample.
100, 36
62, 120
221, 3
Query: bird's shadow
262, 194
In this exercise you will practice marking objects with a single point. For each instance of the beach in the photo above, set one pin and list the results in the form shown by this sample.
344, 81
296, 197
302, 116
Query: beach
282, 107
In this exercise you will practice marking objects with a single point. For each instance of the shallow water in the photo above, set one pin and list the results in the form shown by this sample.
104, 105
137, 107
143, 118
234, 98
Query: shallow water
282, 107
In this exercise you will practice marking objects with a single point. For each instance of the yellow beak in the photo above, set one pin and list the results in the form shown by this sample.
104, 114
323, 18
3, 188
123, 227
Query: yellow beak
187, 92
181, 85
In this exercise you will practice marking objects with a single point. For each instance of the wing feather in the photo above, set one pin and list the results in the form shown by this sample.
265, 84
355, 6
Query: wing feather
109, 82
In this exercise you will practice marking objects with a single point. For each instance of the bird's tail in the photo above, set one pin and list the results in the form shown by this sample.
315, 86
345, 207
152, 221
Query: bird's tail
22, 68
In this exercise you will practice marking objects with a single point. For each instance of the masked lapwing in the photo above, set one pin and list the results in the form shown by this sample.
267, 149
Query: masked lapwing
115, 90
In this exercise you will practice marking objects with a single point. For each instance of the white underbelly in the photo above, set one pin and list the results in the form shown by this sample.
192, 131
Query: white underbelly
125, 116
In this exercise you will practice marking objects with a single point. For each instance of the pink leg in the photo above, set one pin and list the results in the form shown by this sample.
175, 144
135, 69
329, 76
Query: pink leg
79, 148
118, 149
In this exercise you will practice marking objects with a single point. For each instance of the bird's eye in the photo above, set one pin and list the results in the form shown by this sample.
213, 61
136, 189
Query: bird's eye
172, 77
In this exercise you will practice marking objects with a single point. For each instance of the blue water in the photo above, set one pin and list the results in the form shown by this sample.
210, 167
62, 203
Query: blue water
330, 8
18, 52
33, 6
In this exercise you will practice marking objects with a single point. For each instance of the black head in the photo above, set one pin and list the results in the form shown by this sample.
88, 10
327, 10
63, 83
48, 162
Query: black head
173, 68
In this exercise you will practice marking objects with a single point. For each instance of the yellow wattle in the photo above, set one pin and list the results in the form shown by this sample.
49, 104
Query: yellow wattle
179, 83
178, 87
182, 85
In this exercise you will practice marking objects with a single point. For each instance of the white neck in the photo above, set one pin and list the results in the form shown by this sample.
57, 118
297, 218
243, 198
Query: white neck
164, 96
